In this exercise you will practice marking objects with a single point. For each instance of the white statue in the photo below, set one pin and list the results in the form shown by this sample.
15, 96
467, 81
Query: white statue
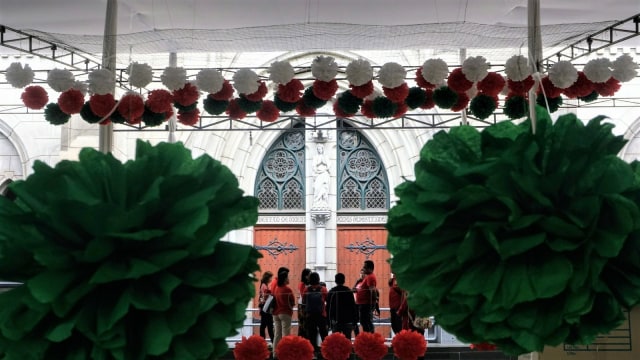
321, 181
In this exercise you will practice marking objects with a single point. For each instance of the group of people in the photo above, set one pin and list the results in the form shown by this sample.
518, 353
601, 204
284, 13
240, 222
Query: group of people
340, 309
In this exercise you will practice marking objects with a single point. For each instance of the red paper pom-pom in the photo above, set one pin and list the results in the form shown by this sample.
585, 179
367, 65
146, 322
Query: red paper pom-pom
71, 101
324, 90
582, 87
225, 93
363, 90
550, 90
304, 110
457, 81
187, 95
402, 109
291, 91
131, 106
268, 111
398, 94
483, 347
520, 88
159, 100
370, 346
235, 111
608, 88
428, 101
189, 118
34, 97
422, 82
135, 121
258, 94
102, 105
492, 84
293, 347
339, 112
462, 103
336, 347
409, 345
367, 109
252, 348
105, 122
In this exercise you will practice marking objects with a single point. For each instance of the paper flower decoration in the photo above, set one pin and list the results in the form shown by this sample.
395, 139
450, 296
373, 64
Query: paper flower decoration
392, 75
324, 68
54, 116
60, 80
608, 88
102, 81
482, 106
268, 111
370, 346
125, 260
475, 68
189, 117
252, 348
458, 82
491, 85
140, 75
131, 106
359, 72
444, 97
461, 103
416, 97
517, 239
246, 81
517, 68
293, 347
409, 345
159, 100
174, 78
291, 92
71, 101
624, 69
563, 74
516, 107
34, 97
102, 105
349, 103
186, 96
19, 76
209, 80
336, 347
435, 71
598, 70
281, 72
81, 86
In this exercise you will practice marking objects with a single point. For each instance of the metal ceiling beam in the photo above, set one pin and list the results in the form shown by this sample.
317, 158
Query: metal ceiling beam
605, 38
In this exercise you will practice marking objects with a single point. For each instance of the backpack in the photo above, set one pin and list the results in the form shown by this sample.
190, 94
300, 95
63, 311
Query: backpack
313, 300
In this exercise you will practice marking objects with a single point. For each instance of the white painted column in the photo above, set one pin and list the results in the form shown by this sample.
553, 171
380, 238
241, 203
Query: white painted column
320, 211
535, 55
105, 132
173, 62
463, 113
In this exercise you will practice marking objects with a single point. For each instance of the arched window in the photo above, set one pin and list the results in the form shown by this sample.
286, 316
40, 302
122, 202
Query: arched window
280, 180
362, 179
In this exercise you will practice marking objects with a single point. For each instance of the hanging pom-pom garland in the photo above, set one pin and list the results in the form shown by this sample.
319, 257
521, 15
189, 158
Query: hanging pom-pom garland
458, 82
174, 78
259, 94
54, 115
391, 75
60, 80
159, 100
475, 68
362, 91
552, 102
189, 118
290, 92
102, 81
598, 70
444, 97
140, 75
624, 69
421, 81
416, 97
209, 80
19, 76
521, 87
225, 93
581, 87
517, 68
324, 68
563, 74
102, 105
311, 100
246, 81
516, 107
88, 115
268, 112
213, 106
34, 97
187, 95
131, 106
482, 106
247, 105
435, 71
71, 101
548, 89
235, 111
608, 88
81, 86
397, 94
284, 106
324, 90
359, 72
461, 103
491, 85
305, 110
429, 103
281, 72
383, 107
349, 103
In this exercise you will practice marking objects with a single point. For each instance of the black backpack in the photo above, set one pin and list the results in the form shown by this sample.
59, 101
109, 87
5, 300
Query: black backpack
313, 300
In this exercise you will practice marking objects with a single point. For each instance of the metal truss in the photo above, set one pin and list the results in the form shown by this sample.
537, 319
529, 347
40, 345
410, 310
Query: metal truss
61, 53
611, 35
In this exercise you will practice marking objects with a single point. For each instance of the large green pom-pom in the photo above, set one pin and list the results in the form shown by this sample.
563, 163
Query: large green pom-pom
349, 103
54, 115
416, 97
284, 106
215, 107
125, 261
517, 239
444, 97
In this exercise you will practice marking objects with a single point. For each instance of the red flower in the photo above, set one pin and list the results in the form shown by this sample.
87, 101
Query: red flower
102, 105
367, 109
458, 82
463, 102
34, 97
483, 347
189, 118
225, 93
582, 87
550, 90
397, 94
291, 91
520, 87
370, 346
268, 112
422, 82
428, 101
71, 101
409, 345
159, 101
492, 84
235, 111
324, 90
304, 110
252, 348
336, 347
293, 347
131, 106
187, 95
258, 94
362, 91
608, 88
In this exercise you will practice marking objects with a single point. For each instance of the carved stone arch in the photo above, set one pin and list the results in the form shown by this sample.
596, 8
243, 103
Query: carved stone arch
631, 151
13, 145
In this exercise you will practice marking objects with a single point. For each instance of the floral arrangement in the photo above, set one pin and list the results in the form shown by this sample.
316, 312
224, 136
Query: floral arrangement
409, 345
471, 86
520, 239
252, 348
294, 347
336, 347
370, 346
125, 260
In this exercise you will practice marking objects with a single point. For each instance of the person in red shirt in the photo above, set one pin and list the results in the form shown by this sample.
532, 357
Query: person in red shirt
266, 319
285, 301
302, 317
366, 297
395, 299
274, 283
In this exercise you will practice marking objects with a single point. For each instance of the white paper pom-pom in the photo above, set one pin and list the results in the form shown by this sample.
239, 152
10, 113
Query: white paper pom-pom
174, 78
359, 72
517, 68
598, 70
209, 80
60, 80
140, 75
324, 68
102, 81
281, 72
475, 68
392, 75
81, 86
624, 69
18, 76
563, 74
435, 71
246, 81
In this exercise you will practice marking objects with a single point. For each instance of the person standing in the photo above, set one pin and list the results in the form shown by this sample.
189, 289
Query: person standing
366, 297
395, 299
356, 287
302, 285
285, 301
314, 298
342, 310
266, 319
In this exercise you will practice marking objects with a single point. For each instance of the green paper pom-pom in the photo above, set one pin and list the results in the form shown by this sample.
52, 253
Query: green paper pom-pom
482, 106
383, 107
554, 103
417, 96
248, 106
284, 106
151, 118
213, 106
54, 115
88, 115
589, 98
311, 100
349, 103
117, 118
516, 107
444, 97
125, 261
518, 239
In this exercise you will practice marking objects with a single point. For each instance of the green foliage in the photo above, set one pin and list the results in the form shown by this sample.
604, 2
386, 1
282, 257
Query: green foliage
125, 261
